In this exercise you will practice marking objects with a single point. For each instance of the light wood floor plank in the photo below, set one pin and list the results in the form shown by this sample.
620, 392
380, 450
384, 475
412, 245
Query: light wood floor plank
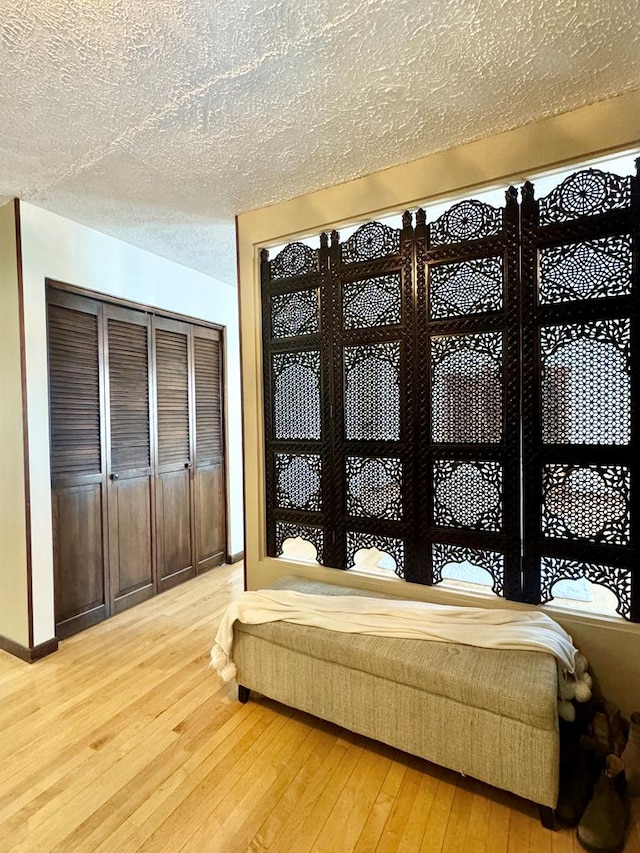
116, 734
128, 750
540, 839
499, 813
115, 811
561, 842
479, 815
418, 818
181, 814
455, 839
287, 820
220, 830
381, 808
126, 741
33, 777
348, 817
242, 832
519, 831
318, 814
436, 829
393, 831
160, 802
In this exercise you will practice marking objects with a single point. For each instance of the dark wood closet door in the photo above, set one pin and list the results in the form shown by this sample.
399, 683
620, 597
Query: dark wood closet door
137, 457
129, 442
209, 450
174, 499
77, 463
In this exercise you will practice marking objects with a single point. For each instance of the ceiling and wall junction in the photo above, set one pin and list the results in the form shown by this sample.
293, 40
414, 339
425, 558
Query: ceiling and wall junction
158, 122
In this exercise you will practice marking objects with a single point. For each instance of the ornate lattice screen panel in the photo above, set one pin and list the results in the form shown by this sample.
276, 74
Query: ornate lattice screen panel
373, 451
457, 400
580, 265
296, 296
468, 436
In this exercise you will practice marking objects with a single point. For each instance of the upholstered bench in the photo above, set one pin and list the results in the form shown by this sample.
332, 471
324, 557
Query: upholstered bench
487, 713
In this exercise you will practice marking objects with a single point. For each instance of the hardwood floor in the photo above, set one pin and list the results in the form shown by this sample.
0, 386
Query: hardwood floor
124, 740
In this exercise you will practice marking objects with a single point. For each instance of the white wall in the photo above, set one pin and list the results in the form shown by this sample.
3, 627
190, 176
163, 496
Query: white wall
14, 617
56, 248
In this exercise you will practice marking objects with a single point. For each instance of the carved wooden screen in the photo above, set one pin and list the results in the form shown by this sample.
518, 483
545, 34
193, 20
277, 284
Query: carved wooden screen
469, 438
580, 262
296, 311
419, 381
373, 447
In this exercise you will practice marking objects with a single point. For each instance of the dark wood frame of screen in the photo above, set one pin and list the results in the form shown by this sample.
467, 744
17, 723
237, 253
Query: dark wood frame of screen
464, 389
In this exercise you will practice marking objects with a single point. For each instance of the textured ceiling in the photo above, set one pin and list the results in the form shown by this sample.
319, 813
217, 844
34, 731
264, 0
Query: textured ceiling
158, 121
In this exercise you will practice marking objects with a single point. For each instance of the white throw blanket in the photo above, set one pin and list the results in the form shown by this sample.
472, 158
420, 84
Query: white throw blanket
471, 626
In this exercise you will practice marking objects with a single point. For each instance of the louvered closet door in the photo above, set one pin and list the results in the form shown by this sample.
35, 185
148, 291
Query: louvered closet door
77, 463
129, 441
174, 453
209, 450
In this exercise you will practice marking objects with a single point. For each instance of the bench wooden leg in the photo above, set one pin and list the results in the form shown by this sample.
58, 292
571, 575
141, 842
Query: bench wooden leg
547, 817
244, 693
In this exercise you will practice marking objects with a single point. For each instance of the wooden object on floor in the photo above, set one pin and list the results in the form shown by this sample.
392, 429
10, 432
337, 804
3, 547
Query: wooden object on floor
125, 740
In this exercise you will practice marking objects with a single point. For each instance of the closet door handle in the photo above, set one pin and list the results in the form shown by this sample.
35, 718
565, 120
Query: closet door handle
187, 464
115, 476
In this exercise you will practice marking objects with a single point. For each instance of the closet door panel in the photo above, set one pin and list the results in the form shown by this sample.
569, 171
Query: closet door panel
210, 519
130, 514
77, 462
209, 450
131, 522
79, 576
173, 496
174, 501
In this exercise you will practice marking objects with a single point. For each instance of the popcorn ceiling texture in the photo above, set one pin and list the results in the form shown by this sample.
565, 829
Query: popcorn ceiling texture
158, 122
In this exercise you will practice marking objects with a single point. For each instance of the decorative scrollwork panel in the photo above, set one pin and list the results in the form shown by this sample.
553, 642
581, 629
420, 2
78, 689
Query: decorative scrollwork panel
468, 494
467, 220
387, 544
589, 502
585, 193
296, 396
490, 561
375, 301
586, 382
298, 481
294, 314
371, 241
374, 487
450, 378
314, 535
465, 287
372, 392
594, 269
617, 580
294, 259
466, 390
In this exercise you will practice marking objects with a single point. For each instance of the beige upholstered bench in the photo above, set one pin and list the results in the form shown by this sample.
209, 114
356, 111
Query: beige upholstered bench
487, 713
